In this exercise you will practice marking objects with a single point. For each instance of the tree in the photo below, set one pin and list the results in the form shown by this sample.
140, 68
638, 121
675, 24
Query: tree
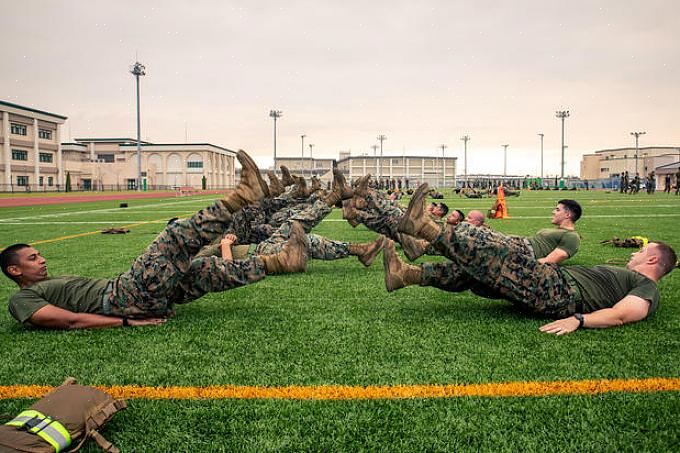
67, 187
204, 183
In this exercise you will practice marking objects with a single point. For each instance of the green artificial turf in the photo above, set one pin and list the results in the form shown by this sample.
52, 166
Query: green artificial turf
336, 325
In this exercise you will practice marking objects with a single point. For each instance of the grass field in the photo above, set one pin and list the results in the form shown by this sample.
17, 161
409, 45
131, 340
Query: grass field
337, 326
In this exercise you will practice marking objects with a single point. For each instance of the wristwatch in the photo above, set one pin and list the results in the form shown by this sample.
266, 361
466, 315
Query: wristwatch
126, 323
580, 318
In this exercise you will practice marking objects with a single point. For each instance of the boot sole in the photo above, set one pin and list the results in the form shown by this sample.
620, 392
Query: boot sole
247, 161
406, 218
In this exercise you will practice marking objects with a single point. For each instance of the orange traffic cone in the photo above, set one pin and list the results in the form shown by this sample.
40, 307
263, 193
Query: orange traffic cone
501, 207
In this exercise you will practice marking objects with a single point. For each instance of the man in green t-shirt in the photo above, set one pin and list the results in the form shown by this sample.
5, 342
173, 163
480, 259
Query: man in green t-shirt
167, 273
597, 297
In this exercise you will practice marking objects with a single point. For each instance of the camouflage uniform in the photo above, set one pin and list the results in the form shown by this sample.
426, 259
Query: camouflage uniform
166, 272
318, 248
500, 267
382, 215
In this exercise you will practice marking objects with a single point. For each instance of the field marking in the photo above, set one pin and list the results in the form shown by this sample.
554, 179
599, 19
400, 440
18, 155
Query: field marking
335, 392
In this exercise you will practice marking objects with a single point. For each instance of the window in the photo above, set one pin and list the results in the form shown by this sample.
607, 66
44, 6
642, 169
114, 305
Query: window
18, 129
44, 133
40, 180
194, 164
50, 181
18, 154
46, 157
108, 158
22, 180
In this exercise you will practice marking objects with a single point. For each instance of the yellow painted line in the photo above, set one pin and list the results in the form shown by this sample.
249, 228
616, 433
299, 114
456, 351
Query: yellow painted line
90, 233
332, 392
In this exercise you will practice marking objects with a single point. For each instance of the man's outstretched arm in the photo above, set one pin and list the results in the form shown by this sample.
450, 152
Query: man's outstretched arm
627, 310
51, 317
556, 256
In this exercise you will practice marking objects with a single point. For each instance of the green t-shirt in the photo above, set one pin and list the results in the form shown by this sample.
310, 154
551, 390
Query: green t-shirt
76, 294
548, 239
604, 286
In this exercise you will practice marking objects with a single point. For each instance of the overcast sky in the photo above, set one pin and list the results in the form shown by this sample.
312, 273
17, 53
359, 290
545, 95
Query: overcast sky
424, 73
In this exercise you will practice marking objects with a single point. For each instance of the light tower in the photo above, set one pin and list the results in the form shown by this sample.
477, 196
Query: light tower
443, 147
302, 155
562, 114
637, 148
275, 114
505, 160
375, 149
381, 137
138, 70
311, 157
541, 135
465, 139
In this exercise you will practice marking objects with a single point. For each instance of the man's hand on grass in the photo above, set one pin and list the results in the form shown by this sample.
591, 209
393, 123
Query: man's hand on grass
561, 326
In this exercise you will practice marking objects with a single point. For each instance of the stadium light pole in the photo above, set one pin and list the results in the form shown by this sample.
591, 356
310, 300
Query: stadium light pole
443, 147
541, 135
311, 157
381, 137
465, 139
302, 155
562, 115
375, 150
138, 70
275, 114
505, 160
637, 148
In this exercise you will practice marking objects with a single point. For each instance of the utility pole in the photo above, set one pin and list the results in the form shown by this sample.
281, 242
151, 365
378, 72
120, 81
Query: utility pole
375, 150
541, 135
562, 114
505, 160
637, 148
275, 114
381, 137
465, 139
302, 155
138, 70
443, 147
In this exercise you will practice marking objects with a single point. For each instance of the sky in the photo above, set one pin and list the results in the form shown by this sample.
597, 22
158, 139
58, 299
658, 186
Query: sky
423, 73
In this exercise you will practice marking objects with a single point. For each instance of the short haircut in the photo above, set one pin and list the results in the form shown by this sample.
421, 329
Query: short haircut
10, 257
460, 213
668, 260
573, 208
444, 208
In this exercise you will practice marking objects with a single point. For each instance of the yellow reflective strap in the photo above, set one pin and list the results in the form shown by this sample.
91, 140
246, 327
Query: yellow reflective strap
51, 431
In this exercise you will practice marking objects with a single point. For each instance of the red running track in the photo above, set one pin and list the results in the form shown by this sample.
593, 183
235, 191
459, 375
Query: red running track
32, 201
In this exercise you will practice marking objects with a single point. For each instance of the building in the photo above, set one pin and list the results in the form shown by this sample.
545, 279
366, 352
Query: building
436, 171
306, 166
111, 163
35, 159
31, 148
610, 164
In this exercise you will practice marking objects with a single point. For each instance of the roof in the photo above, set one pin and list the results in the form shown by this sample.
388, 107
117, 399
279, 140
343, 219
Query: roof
670, 166
632, 148
110, 140
23, 107
394, 157
145, 144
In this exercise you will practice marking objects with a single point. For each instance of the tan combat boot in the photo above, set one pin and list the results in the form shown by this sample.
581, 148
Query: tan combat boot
250, 189
415, 222
397, 273
413, 248
302, 191
287, 179
349, 213
341, 191
368, 251
292, 257
361, 189
275, 186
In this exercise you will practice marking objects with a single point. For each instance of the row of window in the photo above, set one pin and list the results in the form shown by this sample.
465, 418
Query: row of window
23, 181
20, 154
20, 129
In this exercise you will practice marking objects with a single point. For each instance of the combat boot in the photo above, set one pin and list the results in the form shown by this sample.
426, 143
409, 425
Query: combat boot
397, 273
301, 191
413, 248
361, 189
275, 186
292, 257
415, 222
250, 189
287, 179
368, 251
341, 191
349, 213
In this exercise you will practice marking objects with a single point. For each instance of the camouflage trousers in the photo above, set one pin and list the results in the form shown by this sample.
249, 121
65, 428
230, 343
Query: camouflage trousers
318, 248
167, 272
495, 265
382, 215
